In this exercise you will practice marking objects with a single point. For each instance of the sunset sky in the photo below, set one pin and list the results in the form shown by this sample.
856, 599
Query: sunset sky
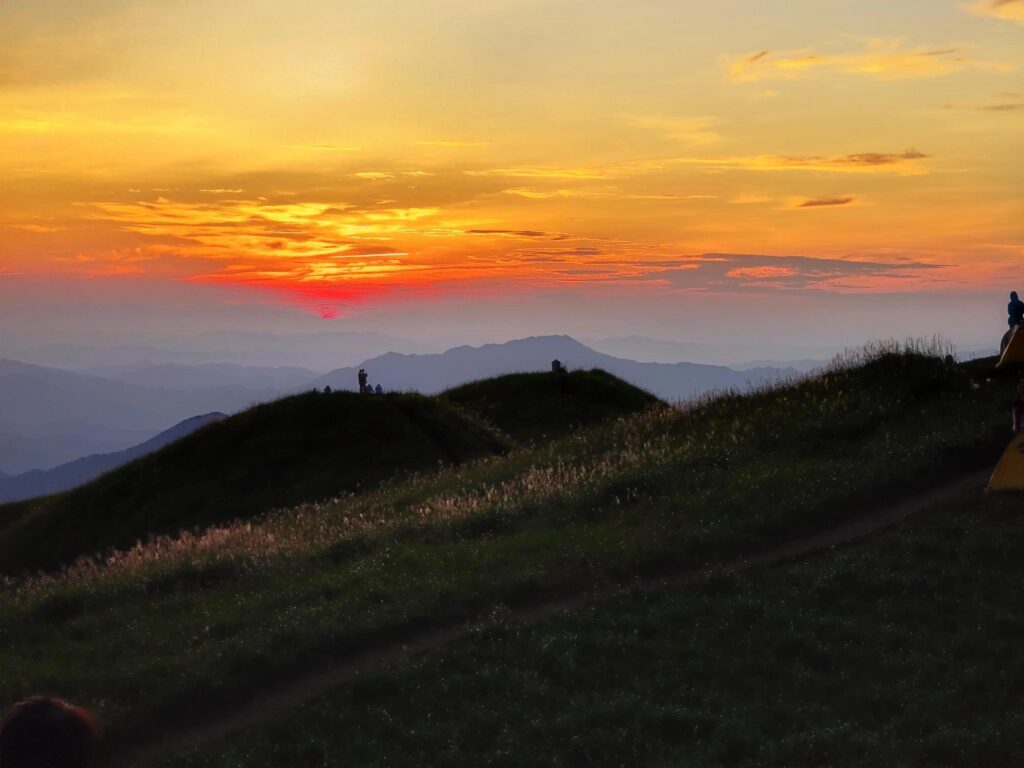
812, 169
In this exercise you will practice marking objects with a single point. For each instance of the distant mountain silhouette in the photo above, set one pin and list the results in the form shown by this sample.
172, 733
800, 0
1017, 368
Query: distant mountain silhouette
49, 416
44, 445
66, 476
431, 374
802, 366
738, 355
297, 449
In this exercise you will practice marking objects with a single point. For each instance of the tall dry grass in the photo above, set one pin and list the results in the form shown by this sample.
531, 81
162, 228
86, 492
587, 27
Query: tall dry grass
558, 472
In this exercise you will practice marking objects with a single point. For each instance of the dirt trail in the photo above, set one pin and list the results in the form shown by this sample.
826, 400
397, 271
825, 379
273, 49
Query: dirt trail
319, 681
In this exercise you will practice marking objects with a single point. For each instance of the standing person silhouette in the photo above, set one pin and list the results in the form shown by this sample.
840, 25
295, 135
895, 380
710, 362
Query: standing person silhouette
1015, 309
43, 732
1015, 312
362, 381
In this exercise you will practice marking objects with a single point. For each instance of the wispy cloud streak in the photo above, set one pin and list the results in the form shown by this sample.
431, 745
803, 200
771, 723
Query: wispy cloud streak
1007, 10
882, 59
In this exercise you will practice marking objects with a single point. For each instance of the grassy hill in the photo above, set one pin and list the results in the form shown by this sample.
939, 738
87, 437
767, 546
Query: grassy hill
536, 406
901, 650
302, 449
891, 656
299, 449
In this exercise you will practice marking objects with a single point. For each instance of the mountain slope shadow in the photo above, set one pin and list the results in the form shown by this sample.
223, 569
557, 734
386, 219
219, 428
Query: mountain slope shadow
298, 449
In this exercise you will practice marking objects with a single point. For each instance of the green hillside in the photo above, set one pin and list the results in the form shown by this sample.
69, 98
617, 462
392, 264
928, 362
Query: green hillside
902, 650
298, 449
535, 406
894, 650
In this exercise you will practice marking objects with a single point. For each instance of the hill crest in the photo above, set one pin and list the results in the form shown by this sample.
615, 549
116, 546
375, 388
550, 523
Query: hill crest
434, 373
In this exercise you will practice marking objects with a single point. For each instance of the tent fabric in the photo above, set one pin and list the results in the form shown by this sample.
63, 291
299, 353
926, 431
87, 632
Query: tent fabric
1014, 352
1009, 474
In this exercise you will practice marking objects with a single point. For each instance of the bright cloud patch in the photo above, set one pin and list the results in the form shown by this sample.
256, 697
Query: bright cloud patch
1009, 10
745, 272
903, 163
883, 59
761, 273
824, 202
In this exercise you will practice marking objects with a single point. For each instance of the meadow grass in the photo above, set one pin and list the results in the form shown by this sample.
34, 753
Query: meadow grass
198, 622
297, 449
898, 650
301, 450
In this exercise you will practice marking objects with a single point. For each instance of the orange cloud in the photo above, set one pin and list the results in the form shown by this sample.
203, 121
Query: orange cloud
604, 193
823, 202
883, 59
761, 273
540, 172
902, 163
1008, 10
517, 233
326, 242
454, 144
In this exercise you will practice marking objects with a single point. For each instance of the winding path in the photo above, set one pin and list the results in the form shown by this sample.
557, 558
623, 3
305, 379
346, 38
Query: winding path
319, 681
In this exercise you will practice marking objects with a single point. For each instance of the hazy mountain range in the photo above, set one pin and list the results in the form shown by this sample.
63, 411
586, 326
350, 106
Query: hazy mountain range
192, 378
50, 416
734, 355
315, 351
39, 482
434, 373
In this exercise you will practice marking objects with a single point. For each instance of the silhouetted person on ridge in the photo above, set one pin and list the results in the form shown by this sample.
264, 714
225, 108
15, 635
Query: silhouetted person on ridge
559, 371
1015, 312
362, 381
1015, 309
378, 390
43, 732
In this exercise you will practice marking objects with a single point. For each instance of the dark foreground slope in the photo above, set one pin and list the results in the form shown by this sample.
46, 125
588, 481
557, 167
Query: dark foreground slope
902, 650
198, 629
298, 449
532, 406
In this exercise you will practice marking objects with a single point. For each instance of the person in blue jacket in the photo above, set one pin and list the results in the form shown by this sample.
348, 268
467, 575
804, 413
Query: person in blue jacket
1015, 309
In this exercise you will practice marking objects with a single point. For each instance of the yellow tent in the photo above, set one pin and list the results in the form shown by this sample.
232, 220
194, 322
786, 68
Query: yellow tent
1009, 474
1014, 352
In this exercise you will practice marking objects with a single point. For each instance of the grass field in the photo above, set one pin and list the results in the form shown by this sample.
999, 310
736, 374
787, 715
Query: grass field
902, 650
299, 449
303, 449
197, 623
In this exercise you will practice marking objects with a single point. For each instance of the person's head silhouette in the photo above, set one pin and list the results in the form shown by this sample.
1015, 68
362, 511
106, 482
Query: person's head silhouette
43, 732
1013, 296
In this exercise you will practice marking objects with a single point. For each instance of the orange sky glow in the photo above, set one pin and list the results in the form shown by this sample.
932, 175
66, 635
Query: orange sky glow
342, 155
